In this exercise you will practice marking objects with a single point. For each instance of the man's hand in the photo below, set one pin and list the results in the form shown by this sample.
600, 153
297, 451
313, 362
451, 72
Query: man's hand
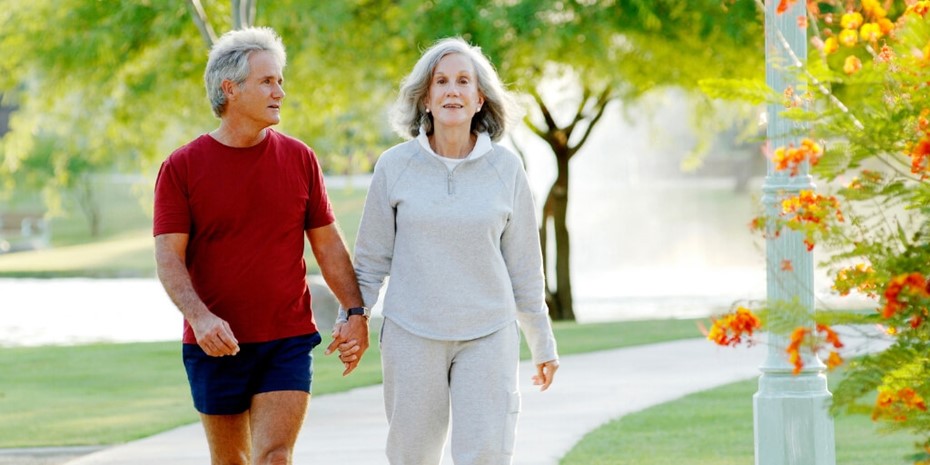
214, 335
351, 340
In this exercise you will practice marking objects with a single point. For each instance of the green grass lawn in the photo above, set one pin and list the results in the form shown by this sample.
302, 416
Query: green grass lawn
112, 393
715, 427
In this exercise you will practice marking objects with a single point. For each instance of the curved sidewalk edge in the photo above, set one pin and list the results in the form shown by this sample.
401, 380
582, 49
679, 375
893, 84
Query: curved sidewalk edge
590, 389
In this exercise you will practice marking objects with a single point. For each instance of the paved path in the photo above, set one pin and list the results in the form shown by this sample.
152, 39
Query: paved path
590, 390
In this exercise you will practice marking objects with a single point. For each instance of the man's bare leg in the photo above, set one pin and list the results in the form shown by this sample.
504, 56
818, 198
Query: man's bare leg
276, 419
229, 438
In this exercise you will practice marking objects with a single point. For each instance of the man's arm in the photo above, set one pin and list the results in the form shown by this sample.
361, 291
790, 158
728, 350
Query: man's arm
213, 333
332, 255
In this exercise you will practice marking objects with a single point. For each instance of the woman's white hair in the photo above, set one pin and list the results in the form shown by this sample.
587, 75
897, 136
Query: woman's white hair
229, 59
409, 111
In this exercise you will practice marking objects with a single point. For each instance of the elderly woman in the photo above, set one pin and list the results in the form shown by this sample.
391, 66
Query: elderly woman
450, 218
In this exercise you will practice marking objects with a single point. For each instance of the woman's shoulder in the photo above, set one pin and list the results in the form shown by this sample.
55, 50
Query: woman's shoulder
504, 157
399, 154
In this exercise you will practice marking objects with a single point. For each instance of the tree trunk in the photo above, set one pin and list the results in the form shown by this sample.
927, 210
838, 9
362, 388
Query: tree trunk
555, 208
563, 308
87, 200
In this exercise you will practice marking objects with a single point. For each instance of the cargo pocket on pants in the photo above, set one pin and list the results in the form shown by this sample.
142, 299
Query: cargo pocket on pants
510, 431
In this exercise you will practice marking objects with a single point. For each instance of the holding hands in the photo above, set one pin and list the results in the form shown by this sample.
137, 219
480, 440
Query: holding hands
350, 338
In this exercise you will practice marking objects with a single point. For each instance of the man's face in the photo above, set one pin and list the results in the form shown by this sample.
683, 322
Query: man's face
259, 98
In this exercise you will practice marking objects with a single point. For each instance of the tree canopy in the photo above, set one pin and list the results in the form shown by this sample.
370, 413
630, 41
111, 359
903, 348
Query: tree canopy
99, 87
120, 86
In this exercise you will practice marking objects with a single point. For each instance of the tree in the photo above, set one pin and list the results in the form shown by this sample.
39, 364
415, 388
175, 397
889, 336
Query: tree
613, 50
100, 88
134, 77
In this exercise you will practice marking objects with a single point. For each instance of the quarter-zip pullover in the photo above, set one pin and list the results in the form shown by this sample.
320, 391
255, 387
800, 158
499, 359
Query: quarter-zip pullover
460, 244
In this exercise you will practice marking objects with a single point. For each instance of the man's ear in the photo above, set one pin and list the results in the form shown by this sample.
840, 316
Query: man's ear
229, 88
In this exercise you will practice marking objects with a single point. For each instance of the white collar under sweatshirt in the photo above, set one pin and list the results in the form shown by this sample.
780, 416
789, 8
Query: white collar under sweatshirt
461, 246
482, 146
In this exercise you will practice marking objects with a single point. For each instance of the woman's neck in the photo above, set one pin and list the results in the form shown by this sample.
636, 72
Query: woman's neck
452, 145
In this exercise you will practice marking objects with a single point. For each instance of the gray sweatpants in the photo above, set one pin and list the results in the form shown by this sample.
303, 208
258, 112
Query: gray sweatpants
479, 377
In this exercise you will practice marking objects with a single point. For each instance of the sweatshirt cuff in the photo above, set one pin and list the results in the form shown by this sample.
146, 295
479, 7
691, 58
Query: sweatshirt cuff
539, 337
341, 316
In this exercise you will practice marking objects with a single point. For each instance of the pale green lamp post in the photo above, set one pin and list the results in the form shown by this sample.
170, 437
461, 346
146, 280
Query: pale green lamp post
792, 423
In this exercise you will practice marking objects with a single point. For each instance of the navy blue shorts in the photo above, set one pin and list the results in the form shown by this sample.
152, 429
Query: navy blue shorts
226, 385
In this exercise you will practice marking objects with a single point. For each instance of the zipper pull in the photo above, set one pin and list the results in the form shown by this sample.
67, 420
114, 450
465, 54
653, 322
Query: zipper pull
450, 183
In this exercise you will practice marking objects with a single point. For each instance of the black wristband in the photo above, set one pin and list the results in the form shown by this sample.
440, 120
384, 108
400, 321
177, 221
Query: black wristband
361, 311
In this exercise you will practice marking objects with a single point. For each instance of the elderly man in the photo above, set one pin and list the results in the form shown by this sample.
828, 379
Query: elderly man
231, 210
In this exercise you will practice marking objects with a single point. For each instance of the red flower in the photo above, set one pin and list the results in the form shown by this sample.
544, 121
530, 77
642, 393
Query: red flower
910, 284
729, 330
802, 334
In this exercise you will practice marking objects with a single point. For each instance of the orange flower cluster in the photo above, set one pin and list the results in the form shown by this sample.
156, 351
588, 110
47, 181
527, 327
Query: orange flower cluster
886, 55
730, 329
869, 26
792, 157
901, 290
897, 404
852, 65
920, 150
803, 335
810, 208
783, 5
860, 277
920, 8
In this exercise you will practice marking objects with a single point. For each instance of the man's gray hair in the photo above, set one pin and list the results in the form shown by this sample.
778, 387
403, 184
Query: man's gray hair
229, 59
409, 111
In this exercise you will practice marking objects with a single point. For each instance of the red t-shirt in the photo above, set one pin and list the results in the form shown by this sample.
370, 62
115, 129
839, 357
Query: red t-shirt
246, 211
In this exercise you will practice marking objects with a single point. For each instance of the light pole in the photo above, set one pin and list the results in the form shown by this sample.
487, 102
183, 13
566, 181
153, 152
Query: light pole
791, 421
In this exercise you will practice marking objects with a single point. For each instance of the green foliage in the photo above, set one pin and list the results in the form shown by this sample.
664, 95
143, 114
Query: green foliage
753, 91
869, 106
119, 86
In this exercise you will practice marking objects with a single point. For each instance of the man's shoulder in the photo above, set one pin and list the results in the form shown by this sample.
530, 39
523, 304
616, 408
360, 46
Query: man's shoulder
288, 142
192, 148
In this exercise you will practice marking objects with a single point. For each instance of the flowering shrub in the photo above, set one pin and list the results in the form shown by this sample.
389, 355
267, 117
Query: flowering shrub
866, 99
729, 330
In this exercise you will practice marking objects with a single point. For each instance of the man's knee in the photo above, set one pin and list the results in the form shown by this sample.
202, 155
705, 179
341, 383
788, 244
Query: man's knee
230, 457
280, 455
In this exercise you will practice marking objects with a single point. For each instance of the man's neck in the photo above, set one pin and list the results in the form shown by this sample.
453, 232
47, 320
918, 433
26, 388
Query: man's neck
233, 135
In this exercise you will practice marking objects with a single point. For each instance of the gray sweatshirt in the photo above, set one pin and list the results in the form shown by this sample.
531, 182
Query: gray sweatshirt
460, 244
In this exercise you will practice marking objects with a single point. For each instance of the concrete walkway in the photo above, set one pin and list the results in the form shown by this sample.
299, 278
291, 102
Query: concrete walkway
590, 389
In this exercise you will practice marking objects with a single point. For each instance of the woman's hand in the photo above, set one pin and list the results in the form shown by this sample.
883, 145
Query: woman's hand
351, 340
545, 373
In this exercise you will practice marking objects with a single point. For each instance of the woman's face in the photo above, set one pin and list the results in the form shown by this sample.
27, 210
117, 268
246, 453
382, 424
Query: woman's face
453, 97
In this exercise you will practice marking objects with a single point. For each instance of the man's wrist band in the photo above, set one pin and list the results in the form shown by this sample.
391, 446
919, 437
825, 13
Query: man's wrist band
361, 311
